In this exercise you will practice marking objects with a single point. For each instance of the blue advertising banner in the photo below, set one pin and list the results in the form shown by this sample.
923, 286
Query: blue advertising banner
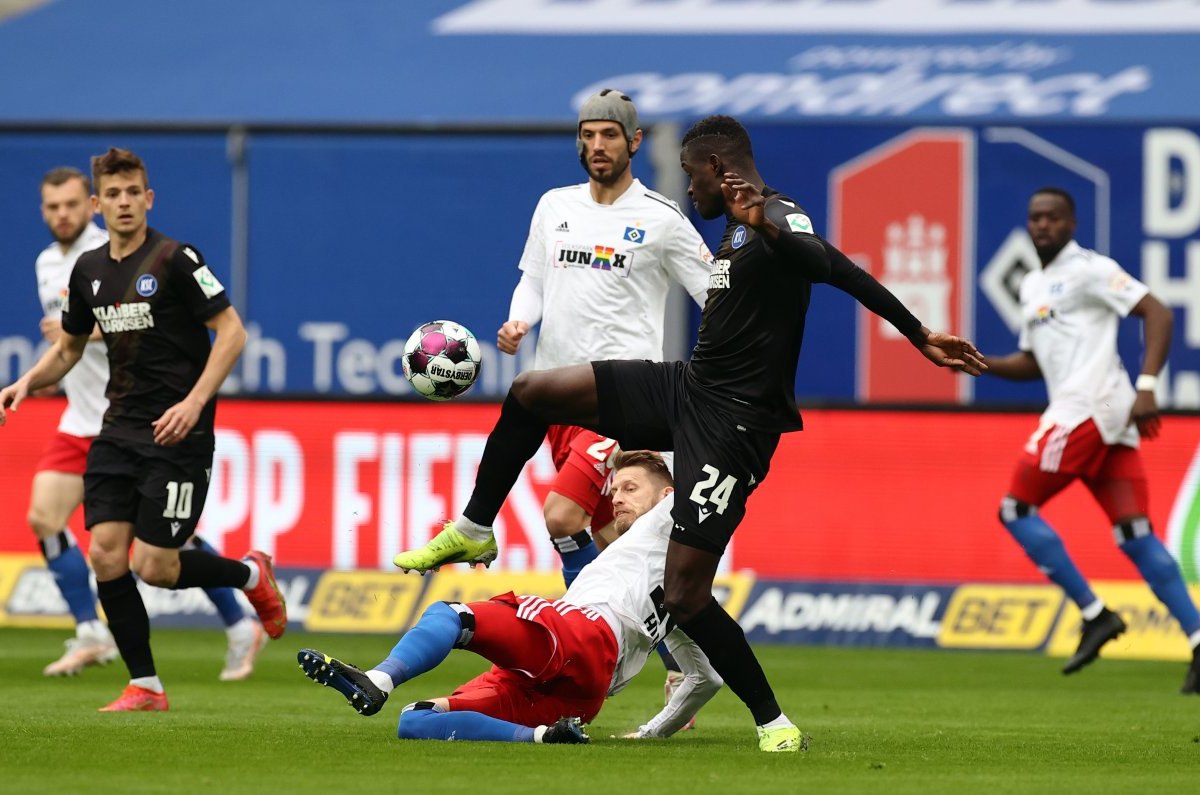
353, 240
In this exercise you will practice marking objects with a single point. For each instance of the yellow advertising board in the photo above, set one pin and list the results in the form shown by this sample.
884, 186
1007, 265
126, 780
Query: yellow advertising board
1000, 616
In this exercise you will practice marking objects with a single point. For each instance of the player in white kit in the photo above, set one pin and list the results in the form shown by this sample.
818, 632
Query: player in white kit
1070, 310
595, 272
551, 659
58, 484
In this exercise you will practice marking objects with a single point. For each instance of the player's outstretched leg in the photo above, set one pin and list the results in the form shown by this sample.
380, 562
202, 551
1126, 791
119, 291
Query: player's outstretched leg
353, 683
449, 546
564, 395
425, 720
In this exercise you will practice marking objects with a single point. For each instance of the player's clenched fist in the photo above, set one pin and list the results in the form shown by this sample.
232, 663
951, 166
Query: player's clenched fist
509, 337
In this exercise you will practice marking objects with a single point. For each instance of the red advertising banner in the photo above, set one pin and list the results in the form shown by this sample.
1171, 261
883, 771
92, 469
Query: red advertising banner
896, 496
901, 212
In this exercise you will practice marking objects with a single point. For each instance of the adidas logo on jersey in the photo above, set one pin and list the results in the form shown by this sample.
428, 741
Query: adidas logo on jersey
562, 227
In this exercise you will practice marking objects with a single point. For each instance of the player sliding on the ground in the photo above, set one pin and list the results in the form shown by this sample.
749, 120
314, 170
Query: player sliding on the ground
551, 659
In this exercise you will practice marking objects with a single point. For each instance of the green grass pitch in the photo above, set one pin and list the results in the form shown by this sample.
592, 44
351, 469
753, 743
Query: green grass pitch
892, 721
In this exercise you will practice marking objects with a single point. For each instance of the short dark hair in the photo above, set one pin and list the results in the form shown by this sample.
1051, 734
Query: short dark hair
117, 161
647, 460
64, 174
736, 140
1060, 193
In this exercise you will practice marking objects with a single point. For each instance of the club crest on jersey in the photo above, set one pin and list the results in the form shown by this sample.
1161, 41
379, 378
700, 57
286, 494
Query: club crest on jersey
147, 285
605, 258
739, 237
635, 234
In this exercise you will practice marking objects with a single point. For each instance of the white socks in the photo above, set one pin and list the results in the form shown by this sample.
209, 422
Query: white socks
152, 683
251, 583
381, 680
1090, 612
475, 532
778, 723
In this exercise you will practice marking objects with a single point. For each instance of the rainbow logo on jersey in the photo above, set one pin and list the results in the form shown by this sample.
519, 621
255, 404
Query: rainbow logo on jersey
603, 258
1044, 315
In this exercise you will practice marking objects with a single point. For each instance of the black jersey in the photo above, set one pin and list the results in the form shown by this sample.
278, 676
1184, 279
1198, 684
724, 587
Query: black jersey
751, 331
151, 307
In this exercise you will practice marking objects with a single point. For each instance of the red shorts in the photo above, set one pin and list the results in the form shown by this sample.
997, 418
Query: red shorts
579, 457
551, 660
65, 453
1055, 457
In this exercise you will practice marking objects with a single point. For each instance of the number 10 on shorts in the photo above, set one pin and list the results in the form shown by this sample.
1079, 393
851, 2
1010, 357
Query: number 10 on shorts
179, 500
719, 495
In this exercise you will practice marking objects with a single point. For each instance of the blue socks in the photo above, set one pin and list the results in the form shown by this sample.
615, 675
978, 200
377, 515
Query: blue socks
71, 575
1045, 548
1161, 573
424, 646
576, 552
224, 599
423, 722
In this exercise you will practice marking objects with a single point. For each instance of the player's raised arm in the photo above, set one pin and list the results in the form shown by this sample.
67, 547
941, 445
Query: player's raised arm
944, 350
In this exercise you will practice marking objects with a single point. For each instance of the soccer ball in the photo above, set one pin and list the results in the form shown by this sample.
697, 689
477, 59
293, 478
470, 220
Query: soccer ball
441, 359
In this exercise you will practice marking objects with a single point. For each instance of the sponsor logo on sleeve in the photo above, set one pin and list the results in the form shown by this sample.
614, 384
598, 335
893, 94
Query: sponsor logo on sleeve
1120, 282
799, 222
207, 281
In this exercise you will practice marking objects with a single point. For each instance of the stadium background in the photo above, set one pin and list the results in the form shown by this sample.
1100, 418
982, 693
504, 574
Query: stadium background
364, 167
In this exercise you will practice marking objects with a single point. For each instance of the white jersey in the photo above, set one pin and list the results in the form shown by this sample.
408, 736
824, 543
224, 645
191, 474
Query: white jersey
1069, 315
625, 585
87, 381
605, 271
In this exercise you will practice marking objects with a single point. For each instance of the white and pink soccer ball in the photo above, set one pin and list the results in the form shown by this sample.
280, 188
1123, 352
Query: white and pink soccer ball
441, 359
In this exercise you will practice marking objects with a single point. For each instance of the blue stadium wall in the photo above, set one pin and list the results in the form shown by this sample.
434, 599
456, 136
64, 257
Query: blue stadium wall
353, 238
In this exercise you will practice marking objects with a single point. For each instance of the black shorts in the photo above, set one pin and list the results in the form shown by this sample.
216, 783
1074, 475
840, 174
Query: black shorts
718, 462
161, 490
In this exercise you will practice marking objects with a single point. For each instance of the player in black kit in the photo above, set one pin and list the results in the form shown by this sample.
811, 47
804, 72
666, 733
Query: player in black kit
721, 412
147, 472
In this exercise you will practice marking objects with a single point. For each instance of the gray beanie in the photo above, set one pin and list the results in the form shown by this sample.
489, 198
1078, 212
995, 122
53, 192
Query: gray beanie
609, 104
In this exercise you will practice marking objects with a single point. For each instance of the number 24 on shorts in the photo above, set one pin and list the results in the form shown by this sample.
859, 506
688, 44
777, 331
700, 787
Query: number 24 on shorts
719, 495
